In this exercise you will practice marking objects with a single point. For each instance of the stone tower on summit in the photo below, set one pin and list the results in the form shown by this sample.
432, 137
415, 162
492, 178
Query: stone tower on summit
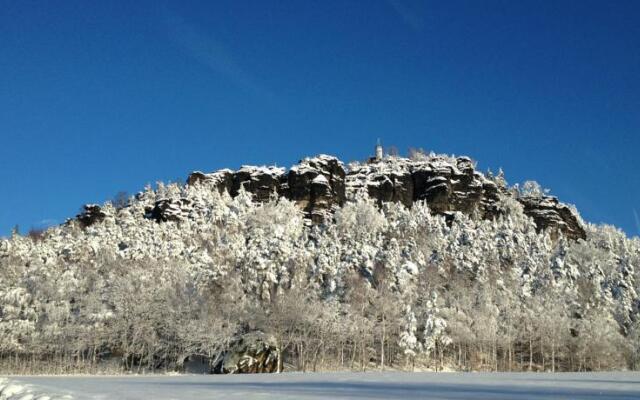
379, 153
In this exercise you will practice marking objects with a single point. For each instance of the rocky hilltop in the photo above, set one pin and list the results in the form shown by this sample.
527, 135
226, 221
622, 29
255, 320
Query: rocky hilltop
325, 264
320, 184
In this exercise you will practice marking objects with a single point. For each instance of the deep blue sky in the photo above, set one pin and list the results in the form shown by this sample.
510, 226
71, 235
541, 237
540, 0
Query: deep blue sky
99, 97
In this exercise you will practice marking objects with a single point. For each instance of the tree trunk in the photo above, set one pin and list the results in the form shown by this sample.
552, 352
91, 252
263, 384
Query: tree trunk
553, 356
542, 352
530, 352
382, 344
364, 355
280, 361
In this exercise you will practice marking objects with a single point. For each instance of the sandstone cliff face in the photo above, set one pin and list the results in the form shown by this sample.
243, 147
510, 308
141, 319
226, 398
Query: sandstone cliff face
321, 184
317, 185
261, 182
548, 213
445, 184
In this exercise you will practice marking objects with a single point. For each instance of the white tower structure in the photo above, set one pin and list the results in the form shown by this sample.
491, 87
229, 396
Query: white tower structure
379, 153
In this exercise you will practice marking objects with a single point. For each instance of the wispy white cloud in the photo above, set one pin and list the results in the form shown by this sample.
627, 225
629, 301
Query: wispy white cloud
409, 16
204, 48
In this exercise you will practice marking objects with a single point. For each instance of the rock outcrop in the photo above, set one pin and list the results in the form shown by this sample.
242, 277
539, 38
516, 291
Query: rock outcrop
222, 179
452, 184
321, 184
262, 182
91, 214
317, 185
549, 214
383, 180
446, 184
169, 210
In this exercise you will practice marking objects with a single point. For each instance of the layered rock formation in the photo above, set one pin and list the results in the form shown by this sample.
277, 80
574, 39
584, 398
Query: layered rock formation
316, 184
452, 184
549, 213
445, 184
321, 184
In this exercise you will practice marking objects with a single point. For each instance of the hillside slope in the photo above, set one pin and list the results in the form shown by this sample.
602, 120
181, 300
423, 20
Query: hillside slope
390, 262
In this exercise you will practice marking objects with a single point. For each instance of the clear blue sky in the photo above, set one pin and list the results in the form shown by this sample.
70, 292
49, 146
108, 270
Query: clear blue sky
99, 97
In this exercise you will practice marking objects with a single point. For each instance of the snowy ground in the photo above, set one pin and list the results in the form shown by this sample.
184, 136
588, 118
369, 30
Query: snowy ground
406, 386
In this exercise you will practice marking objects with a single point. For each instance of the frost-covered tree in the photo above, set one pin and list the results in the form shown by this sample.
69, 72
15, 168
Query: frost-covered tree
408, 340
532, 189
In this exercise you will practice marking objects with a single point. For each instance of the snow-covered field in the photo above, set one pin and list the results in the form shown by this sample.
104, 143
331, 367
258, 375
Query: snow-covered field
373, 385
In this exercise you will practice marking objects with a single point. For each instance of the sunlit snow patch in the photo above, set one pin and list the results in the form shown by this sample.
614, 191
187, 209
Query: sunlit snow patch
14, 391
